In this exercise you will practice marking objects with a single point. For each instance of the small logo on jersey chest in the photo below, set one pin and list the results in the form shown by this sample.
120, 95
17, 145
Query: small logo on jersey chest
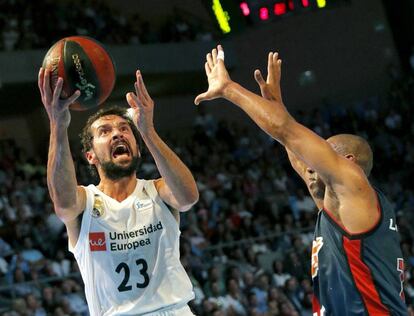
97, 241
98, 207
140, 205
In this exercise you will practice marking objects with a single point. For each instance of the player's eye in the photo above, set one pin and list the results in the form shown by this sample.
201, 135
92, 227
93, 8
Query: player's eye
103, 132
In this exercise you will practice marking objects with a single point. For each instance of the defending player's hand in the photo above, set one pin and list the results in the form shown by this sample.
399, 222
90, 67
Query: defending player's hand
270, 89
57, 109
142, 105
217, 75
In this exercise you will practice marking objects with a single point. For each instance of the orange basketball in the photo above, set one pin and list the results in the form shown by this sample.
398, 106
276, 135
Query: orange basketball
84, 65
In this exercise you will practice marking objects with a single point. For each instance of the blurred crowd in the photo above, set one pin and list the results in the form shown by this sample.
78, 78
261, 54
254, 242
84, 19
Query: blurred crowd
22, 24
245, 244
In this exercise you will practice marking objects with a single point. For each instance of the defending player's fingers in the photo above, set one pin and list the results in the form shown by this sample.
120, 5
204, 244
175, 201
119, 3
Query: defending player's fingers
275, 71
278, 70
275, 57
210, 61
201, 97
220, 54
214, 55
207, 68
259, 78
270, 66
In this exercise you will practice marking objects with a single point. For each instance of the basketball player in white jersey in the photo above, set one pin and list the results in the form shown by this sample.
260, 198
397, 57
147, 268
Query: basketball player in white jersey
121, 232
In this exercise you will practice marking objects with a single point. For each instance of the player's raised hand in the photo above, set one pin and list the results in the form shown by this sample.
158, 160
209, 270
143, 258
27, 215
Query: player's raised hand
142, 105
270, 89
217, 75
57, 109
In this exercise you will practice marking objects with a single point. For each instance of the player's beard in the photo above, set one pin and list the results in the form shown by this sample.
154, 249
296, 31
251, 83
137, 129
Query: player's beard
115, 172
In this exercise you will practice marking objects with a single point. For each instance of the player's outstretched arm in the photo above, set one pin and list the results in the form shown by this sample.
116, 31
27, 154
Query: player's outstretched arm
270, 90
177, 186
273, 118
345, 180
68, 199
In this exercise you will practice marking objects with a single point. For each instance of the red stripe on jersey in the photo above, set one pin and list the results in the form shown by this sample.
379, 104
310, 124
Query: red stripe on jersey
363, 278
316, 307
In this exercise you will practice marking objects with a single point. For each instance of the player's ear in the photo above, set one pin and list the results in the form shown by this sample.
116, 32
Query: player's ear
351, 157
91, 157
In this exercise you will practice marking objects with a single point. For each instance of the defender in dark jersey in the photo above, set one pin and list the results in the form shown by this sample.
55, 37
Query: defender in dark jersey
358, 274
357, 266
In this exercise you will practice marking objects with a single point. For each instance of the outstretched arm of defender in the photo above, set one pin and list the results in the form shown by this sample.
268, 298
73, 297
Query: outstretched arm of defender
271, 116
68, 199
336, 171
270, 90
177, 186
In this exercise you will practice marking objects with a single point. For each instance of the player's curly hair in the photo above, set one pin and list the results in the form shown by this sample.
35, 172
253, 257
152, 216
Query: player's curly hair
86, 134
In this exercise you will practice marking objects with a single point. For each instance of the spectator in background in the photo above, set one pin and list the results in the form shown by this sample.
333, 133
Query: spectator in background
22, 24
31, 255
20, 287
235, 301
261, 291
61, 266
214, 278
71, 293
294, 293
279, 276
34, 306
49, 301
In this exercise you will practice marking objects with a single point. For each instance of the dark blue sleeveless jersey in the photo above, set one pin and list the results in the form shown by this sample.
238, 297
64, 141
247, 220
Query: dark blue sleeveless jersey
358, 274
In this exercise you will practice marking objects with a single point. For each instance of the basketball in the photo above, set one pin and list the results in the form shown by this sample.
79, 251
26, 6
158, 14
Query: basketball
84, 65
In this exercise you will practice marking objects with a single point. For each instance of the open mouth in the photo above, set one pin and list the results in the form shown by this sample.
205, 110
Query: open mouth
120, 149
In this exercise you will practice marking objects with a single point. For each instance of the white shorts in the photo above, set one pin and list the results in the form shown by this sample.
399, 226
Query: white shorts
174, 311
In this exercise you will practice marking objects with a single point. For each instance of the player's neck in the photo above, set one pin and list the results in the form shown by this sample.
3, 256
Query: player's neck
118, 189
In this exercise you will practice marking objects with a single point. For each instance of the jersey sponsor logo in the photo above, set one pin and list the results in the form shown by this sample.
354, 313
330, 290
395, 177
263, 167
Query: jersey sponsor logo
316, 247
97, 241
393, 226
126, 240
130, 245
142, 204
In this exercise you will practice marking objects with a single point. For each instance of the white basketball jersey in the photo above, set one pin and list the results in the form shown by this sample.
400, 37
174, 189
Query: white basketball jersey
128, 254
